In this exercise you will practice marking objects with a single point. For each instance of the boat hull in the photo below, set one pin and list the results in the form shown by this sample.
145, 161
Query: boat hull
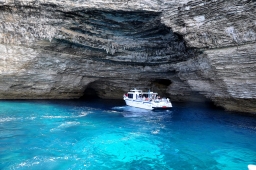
148, 104
162, 108
139, 104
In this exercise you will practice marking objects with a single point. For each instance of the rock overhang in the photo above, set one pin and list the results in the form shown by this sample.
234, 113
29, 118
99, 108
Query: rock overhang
55, 49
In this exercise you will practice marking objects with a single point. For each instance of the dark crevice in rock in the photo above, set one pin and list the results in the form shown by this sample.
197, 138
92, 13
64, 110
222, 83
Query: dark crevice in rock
104, 88
90, 93
162, 82
160, 86
70, 45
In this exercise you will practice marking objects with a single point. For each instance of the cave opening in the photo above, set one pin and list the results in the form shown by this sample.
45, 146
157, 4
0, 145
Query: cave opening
162, 82
90, 92
113, 37
160, 86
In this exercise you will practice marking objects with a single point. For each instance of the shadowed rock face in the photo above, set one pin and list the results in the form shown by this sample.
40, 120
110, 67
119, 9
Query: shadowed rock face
73, 49
52, 53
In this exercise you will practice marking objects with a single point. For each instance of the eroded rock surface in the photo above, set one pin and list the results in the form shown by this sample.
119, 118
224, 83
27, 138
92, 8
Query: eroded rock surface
186, 50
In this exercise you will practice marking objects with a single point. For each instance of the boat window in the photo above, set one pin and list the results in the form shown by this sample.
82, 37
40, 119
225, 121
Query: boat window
130, 95
145, 95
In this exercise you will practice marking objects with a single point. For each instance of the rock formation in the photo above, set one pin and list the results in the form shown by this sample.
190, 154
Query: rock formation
187, 50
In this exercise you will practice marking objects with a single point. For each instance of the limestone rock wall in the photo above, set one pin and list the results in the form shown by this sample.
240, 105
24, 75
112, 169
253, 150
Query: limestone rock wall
187, 50
224, 75
225, 33
214, 24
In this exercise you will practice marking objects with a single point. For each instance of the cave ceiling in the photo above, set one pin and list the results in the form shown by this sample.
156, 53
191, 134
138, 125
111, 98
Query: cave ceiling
131, 37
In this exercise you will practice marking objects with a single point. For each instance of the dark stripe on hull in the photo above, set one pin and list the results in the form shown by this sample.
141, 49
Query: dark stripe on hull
162, 108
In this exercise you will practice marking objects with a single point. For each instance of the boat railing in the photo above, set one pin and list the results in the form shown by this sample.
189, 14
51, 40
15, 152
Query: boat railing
164, 100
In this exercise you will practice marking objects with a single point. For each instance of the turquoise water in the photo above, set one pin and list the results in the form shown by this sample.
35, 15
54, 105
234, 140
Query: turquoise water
109, 135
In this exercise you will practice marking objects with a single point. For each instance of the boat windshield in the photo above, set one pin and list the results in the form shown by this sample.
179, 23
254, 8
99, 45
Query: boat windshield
130, 95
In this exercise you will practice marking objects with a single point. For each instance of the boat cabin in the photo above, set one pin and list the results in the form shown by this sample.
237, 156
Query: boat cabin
139, 94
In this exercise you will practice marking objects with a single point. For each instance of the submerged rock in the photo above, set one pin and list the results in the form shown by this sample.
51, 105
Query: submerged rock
186, 50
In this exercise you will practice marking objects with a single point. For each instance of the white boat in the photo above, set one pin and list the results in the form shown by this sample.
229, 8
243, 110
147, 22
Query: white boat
146, 100
251, 167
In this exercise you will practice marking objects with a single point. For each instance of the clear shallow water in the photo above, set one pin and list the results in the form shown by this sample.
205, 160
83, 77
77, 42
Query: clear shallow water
109, 135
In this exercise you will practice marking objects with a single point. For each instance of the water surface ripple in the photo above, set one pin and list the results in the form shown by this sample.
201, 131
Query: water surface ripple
106, 135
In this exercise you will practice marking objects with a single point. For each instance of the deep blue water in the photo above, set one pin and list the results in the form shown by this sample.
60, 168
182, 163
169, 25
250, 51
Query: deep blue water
109, 135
